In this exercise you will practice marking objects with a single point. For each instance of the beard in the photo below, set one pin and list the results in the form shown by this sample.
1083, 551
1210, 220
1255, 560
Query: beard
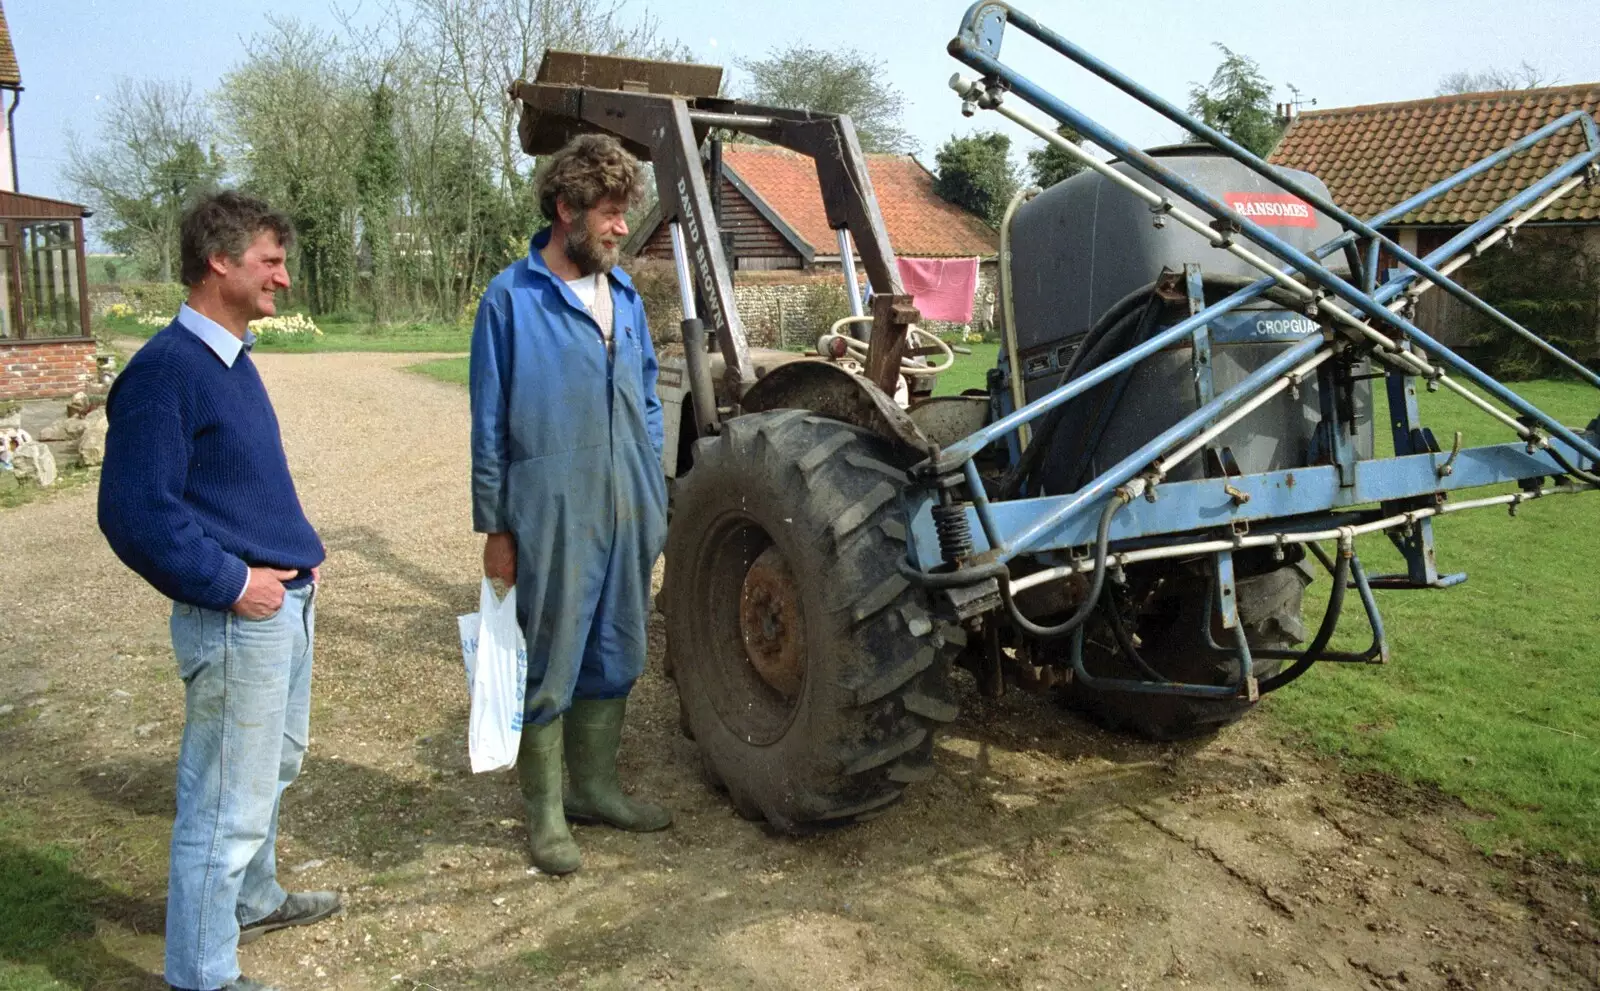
585, 251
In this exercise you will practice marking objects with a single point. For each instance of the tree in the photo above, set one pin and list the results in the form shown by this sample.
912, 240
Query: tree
975, 172
1238, 102
377, 190
154, 158
1050, 164
298, 127
481, 47
1491, 80
833, 82
1551, 286
464, 55
390, 144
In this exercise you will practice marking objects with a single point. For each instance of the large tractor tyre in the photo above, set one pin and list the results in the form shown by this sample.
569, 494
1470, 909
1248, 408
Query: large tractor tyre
1171, 642
812, 674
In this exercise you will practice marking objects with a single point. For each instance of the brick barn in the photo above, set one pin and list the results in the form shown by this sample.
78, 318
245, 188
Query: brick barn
778, 242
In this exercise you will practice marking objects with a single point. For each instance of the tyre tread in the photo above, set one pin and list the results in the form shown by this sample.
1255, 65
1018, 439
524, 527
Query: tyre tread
897, 680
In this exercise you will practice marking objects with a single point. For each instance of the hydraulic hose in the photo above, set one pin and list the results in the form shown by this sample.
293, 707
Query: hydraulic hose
1102, 338
1330, 622
1096, 584
1115, 312
1121, 339
1570, 469
1125, 642
954, 579
1100, 343
1303, 659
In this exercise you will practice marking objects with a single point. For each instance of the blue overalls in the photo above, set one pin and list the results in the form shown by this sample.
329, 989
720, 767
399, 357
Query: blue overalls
566, 455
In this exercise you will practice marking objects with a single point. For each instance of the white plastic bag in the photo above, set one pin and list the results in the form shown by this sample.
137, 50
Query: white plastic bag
496, 657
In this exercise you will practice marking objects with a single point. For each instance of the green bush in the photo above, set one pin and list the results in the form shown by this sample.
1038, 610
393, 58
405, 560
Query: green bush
1547, 283
161, 298
821, 306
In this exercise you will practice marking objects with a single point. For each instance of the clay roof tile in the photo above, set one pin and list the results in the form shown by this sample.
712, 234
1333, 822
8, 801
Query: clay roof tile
10, 75
920, 224
1374, 156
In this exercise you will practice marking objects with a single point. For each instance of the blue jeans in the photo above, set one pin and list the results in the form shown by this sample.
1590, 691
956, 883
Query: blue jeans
247, 717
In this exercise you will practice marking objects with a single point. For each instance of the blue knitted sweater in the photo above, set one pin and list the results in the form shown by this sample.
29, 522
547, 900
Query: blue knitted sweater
195, 489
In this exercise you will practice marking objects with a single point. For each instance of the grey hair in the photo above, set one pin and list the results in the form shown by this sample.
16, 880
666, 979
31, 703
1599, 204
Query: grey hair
226, 223
591, 167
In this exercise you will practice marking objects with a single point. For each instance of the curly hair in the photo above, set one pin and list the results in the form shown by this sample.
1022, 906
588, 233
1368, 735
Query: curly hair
592, 167
225, 223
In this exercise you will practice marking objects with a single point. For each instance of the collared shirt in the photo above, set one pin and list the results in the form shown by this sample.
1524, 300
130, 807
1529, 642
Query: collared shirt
217, 337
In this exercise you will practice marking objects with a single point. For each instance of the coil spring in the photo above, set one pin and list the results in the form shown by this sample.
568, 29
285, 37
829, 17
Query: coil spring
955, 533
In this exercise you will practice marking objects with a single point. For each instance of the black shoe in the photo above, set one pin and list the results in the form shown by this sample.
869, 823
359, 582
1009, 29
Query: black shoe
242, 984
300, 909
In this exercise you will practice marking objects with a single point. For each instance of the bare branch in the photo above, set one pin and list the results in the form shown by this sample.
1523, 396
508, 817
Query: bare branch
1524, 76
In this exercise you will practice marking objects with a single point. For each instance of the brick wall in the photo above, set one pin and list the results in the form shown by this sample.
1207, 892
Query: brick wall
46, 369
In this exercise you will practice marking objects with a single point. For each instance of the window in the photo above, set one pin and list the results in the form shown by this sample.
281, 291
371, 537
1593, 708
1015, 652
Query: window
50, 291
8, 329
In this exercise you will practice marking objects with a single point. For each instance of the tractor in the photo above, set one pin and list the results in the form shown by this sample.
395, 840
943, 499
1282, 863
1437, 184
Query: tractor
1176, 444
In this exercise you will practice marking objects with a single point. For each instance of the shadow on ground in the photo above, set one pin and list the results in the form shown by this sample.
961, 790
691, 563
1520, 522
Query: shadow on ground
337, 808
50, 922
419, 603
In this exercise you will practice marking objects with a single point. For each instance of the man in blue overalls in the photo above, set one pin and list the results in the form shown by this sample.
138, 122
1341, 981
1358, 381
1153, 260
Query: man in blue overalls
567, 484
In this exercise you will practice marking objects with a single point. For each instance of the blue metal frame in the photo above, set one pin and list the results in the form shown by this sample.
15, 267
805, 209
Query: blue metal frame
1370, 306
1200, 356
1378, 653
978, 45
1344, 491
1206, 505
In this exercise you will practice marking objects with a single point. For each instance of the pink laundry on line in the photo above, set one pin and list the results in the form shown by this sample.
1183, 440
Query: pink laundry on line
943, 287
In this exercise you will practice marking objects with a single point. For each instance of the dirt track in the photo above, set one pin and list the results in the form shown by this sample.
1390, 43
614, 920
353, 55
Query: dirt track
1043, 855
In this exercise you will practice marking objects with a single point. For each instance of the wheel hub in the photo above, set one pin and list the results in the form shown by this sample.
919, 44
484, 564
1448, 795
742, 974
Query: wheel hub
771, 623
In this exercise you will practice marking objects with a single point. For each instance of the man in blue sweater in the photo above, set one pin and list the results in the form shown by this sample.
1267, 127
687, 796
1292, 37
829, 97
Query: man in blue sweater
195, 496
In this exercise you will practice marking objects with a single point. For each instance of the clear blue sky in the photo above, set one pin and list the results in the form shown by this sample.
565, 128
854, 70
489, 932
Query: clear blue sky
72, 51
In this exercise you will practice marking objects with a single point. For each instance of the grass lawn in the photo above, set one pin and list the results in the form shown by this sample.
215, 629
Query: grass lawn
971, 371
66, 478
444, 369
48, 938
1494, 689
340, 336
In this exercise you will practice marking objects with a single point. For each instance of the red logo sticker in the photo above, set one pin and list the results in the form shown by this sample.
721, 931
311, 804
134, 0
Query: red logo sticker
1273, 209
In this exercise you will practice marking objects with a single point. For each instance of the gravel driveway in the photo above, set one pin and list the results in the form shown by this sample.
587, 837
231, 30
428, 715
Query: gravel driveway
1043, 855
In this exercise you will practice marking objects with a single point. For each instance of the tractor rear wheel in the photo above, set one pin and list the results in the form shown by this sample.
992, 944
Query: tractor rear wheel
812, 675
1269, 607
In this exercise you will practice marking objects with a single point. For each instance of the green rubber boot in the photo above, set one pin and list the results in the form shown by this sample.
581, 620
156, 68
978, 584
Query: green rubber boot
539, 774
593, 735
